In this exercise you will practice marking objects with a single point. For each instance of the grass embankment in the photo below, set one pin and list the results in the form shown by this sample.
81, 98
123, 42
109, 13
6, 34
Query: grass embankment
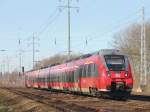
3, 106
10, 102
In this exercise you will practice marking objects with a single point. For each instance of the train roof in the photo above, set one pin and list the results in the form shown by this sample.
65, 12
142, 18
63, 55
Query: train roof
110, 52
100, 52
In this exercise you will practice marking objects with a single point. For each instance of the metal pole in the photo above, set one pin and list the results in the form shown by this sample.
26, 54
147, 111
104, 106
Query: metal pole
143, 79
69, 48
145, 57
2, 63
141, 74
69, 7
20, 58
33, 50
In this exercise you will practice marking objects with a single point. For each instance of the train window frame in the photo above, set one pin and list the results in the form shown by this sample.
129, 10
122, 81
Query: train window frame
83, 71
76, 74
123, 64
72, 76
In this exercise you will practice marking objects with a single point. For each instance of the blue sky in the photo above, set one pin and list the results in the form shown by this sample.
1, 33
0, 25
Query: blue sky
97, 21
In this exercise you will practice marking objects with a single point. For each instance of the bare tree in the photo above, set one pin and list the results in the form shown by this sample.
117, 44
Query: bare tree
128, 41
58, 58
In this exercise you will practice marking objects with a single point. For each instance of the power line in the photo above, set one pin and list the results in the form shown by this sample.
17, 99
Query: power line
53, 17
48, 23
69, 7
128, 21
49, 18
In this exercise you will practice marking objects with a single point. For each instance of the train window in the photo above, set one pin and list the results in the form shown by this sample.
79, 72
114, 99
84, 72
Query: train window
66, 77
57, 74
69, 76
59, 79
126, 63
42, 79
54, 77
80, 71
84, 71
51, 76
115, 62
62, 77
48, 78
76, 74
39, 79
94, 70
72, 76
90, 70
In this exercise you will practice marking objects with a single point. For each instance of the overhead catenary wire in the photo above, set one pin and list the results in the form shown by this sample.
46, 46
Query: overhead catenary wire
116, 28
43, 29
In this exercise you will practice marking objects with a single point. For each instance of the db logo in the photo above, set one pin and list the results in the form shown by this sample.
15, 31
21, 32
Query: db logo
117, 75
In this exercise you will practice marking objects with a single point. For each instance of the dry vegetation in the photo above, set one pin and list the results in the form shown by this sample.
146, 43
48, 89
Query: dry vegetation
128, 41
10, 102
54, 59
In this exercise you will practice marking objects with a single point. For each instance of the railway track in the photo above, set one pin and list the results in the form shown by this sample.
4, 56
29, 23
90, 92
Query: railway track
53, 102
75, 103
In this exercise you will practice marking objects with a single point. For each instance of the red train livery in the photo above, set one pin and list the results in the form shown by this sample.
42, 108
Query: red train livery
105, 71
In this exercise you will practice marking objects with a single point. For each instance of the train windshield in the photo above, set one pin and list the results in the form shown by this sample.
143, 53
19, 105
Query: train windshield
115, 62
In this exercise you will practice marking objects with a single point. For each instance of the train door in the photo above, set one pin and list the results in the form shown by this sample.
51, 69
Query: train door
80, 79
76, 79
38, 79
46, 78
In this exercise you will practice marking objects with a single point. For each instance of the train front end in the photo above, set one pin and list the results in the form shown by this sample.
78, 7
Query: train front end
117, 76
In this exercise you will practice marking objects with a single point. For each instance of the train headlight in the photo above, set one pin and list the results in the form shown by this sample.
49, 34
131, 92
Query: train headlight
126, 74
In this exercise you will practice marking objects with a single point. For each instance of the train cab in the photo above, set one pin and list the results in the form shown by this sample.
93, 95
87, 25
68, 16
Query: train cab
118, 76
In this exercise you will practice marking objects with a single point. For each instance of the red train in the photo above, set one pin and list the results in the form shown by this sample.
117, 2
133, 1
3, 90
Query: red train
106, 71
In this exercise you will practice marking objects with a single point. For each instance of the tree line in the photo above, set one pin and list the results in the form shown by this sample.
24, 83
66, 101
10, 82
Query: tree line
128, 40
